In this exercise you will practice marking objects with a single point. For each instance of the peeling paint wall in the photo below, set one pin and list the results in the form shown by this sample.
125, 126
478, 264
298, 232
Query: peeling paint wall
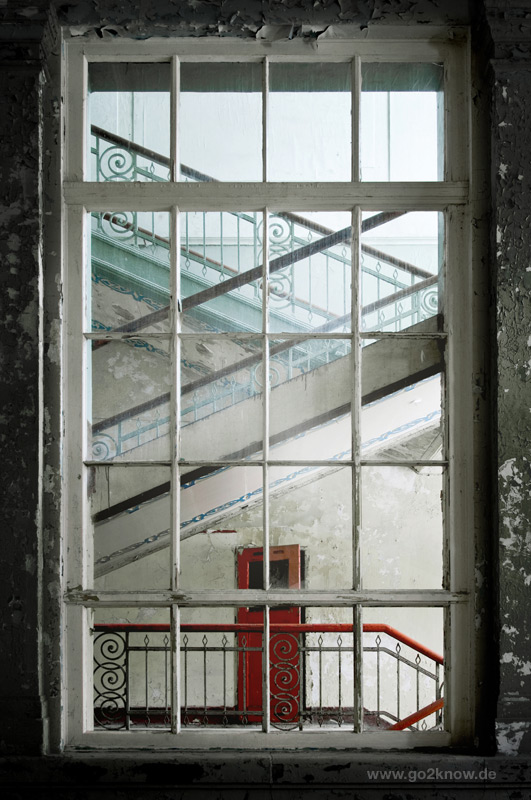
23, 206
20, 256
511, 128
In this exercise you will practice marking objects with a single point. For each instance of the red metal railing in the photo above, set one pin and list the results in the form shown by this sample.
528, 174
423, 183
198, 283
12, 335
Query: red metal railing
241, 713
257, 627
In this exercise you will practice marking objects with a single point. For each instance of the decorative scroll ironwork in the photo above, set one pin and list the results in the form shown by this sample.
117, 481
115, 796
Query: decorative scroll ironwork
110, 680
131, 679
311, 677
395, 294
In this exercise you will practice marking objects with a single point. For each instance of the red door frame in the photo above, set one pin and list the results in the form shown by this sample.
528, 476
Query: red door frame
284, 708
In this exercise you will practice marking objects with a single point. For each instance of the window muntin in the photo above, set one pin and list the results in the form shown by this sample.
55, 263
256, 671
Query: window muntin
201, 469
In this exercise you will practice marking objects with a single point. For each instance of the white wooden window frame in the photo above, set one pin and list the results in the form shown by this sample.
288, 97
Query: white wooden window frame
452, 196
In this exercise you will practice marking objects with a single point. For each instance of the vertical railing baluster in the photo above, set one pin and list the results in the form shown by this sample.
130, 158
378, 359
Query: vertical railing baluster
320, 643
205, 717
439, 714
340, 704
224, 642
204, 243
310, 293
378, 687
327, 283
244, 671
345, 284
238, 225
166, 681
302, 676
417, 662
127, 684
146, 642
222, 260
398, 648
185, 675
255, 240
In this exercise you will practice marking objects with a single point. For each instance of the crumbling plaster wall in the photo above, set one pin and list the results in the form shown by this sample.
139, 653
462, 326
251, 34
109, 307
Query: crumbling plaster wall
22, 293
511, 141
20, 253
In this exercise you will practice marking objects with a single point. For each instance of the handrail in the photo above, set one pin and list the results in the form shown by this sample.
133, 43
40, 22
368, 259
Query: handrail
422, 713
190, 172
289, 215
212, 377
295, 628
242, 278
246, 362
330, 239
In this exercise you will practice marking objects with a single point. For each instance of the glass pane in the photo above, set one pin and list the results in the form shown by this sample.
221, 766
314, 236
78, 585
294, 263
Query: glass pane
129, 286
402, 122
218, 501
311, 391
220, 121
403, 669
130, 400
311, 507
221, 516
132, 669
130, 514
310, 271
221, 667
310, 672
221, 271
402, 536
129, 112
401, 271
327, 644
221, 408
401, 418
309, 136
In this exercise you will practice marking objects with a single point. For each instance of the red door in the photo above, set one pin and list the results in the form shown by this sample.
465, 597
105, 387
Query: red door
285, 665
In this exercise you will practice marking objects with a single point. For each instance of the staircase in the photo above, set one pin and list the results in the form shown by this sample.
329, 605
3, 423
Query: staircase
222, 384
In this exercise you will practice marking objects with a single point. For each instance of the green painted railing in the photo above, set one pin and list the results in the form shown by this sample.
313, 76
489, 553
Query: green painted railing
218, 269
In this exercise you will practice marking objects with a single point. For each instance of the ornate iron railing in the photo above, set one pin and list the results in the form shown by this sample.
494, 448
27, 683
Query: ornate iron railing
121, 159
310, 674
404, 294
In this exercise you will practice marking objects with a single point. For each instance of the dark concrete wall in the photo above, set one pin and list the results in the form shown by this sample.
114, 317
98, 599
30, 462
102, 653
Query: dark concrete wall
30, 417
20, 253
511, 150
